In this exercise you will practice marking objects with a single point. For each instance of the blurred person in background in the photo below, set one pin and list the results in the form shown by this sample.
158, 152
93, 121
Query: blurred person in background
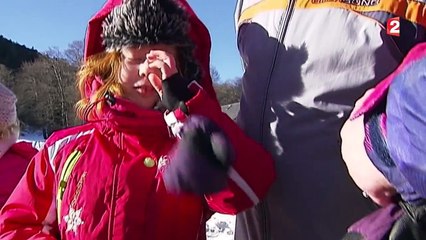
384, 148
14, 156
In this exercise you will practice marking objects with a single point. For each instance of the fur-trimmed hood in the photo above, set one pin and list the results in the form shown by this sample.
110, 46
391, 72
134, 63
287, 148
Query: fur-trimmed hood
198, 33
144, 22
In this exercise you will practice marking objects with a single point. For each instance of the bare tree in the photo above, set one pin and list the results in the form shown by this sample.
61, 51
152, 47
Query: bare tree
74, 52
33, 93
6, 76
58, 76
228, 91
47, 92
214, 74
54, 53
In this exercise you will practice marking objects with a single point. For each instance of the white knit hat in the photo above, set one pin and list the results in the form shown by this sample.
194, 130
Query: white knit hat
8, 114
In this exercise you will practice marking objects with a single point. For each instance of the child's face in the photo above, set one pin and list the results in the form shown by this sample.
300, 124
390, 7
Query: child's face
134, 74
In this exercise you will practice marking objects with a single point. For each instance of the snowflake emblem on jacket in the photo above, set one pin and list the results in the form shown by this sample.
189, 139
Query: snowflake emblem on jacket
73, 220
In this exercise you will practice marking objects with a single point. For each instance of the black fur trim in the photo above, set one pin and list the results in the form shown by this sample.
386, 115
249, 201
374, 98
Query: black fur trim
141, 22
147, 22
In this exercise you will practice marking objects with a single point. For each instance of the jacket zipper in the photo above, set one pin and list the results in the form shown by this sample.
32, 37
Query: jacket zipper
114, 190
63, 180
284, 21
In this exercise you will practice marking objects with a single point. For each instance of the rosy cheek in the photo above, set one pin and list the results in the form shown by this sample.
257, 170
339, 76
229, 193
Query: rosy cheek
124, 76
127, 80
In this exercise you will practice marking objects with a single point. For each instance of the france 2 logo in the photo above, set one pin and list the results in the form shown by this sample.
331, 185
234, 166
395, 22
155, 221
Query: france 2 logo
392, 26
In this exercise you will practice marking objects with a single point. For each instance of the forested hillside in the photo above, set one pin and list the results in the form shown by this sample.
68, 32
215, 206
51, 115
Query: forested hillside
12, 54
43, 82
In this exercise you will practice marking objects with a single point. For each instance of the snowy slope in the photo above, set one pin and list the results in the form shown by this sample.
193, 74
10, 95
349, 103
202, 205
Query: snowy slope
219, 227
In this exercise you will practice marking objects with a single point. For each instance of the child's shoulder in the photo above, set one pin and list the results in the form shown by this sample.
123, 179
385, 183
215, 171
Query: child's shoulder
24, 149
69, 134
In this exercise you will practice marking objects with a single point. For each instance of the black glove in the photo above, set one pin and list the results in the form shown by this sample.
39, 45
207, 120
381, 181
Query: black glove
175, 92
200, 162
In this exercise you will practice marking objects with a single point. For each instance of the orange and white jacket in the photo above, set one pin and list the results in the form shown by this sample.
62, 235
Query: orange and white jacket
306, 62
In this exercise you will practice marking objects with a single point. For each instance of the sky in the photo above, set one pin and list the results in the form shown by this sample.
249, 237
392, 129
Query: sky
56, 23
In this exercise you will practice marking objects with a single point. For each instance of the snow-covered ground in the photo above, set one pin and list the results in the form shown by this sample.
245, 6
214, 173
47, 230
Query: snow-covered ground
32, 136
219, 227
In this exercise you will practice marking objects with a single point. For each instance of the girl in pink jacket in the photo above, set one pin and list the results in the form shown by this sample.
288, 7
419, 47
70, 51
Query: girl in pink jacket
14, 157
156, 156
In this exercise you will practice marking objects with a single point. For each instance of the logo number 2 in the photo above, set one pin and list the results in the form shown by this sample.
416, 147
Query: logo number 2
393, 26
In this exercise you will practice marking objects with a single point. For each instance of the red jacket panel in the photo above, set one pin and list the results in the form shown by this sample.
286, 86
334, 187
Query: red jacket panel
12, 167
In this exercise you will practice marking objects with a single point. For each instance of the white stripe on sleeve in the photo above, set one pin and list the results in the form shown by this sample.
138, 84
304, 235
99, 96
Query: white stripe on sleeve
236, 177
